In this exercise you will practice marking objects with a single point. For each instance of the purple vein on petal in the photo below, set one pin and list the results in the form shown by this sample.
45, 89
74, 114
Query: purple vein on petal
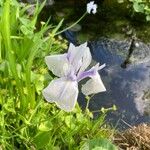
86, 74
63, 91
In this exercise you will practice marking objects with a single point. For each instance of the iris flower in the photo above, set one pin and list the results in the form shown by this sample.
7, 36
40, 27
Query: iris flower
91, 7
71, 69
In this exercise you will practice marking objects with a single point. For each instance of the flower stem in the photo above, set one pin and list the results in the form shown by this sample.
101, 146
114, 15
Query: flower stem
88, 101
72, 24
88, 98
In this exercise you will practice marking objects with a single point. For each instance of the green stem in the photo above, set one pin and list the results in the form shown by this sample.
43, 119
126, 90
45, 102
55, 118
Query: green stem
34, 112
88, 101
16, 37
28, 78
72, 24
30, 89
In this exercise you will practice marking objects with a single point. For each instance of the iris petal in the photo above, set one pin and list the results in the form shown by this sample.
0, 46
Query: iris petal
93, 85
77, 54
63, 92
58, 64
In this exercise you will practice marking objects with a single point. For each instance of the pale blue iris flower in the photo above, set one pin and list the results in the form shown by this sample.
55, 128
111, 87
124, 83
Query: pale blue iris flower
70, 68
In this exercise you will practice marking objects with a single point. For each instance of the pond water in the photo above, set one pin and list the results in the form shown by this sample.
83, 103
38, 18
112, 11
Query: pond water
126, 77
128, 85
127, 72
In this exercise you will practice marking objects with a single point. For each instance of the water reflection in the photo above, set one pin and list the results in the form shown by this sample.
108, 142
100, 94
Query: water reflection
127, 88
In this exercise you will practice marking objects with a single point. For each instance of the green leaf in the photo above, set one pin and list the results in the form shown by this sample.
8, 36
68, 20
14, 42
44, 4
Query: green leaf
148, 17
9, 106
45, 126
69, 121
42, 139
138, 7
57, 28
99, 148
98, 123
120, 1
99, 144
38, 81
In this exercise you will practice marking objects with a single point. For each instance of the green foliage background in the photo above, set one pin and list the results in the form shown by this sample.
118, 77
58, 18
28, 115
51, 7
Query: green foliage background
139, 6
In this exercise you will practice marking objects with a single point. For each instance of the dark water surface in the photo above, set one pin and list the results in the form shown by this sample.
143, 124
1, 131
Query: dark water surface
128, 88
127, 84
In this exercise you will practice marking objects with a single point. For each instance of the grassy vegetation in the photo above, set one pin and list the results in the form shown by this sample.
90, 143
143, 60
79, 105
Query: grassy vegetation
26, 120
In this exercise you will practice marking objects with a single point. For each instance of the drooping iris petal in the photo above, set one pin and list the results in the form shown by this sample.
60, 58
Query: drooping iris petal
58, 64
63, 92
85, 74
89, 73
75, 55
93, 85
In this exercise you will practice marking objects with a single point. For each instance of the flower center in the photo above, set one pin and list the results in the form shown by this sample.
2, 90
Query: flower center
72, 76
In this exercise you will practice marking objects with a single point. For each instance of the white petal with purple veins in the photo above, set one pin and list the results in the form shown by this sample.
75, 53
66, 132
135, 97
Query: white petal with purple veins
76, 54
63, 92
58, 64
93, 85
70, 67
